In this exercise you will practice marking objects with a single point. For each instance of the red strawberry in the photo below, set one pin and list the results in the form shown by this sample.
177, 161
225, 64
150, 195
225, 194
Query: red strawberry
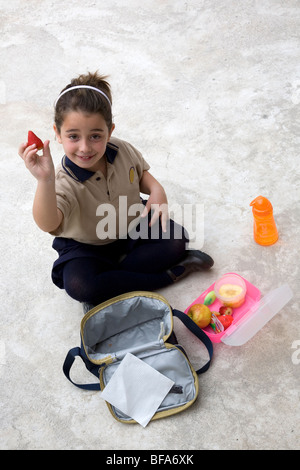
33, 139
226, 320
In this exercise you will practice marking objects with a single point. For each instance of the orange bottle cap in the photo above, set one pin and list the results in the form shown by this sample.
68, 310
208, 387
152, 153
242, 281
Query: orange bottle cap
261, 206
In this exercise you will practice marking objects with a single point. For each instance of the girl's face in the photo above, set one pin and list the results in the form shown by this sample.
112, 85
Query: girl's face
84, 138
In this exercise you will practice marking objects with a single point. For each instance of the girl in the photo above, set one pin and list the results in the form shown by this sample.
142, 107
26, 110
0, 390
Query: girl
90, 204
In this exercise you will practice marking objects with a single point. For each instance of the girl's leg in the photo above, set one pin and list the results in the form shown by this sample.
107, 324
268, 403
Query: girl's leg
167, 252
156, 254
150, 264
85, 281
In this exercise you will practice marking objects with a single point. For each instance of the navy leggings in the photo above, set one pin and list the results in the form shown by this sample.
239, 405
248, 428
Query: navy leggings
128, 265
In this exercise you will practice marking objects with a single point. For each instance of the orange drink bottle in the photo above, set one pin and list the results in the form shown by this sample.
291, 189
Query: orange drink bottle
264, 227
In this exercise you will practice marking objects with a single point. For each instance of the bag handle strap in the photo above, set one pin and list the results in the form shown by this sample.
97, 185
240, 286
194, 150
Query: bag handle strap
191, 325
186, 320
70, 358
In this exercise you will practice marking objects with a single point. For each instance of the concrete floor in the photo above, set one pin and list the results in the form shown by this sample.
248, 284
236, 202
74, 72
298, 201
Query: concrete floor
209, 91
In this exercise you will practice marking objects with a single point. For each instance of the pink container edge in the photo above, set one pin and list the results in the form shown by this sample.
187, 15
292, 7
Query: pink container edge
253, 295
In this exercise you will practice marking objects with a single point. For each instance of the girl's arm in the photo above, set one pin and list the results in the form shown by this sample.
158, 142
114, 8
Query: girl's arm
45, 212
157, 200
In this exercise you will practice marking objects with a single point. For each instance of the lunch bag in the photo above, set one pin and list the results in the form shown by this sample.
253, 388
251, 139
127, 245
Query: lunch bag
140, 323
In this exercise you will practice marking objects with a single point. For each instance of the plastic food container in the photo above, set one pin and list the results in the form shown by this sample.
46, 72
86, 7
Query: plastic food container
230, 289
250, 317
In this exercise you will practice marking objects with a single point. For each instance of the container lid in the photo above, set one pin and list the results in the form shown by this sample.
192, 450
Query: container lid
261, 206
262, 312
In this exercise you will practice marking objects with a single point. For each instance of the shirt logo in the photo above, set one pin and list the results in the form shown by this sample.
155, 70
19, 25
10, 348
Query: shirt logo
131, 174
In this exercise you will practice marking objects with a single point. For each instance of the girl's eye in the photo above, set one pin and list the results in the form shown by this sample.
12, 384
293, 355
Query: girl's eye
73, 137
96, 137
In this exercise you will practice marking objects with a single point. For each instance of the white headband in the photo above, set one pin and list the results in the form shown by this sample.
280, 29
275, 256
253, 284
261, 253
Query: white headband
82, 86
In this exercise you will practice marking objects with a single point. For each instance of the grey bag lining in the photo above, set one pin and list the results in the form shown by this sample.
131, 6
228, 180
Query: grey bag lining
114, 329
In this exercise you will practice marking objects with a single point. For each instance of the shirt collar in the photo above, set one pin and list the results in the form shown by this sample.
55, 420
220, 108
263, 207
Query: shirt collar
81, 174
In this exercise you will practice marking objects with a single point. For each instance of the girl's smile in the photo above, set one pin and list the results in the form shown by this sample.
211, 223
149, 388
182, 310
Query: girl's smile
84, 138
85, 158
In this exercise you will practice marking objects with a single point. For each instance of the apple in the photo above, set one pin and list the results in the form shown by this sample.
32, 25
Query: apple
200, 314
225, 310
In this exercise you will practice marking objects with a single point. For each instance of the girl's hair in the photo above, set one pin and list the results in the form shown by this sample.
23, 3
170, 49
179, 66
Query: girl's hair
84, 99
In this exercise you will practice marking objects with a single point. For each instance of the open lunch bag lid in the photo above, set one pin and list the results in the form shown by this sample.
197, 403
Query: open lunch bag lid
250, 317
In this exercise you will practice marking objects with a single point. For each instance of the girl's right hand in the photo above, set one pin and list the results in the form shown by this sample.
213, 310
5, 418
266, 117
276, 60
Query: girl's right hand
41, 167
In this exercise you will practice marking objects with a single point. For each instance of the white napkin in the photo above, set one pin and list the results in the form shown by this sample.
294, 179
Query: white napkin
137, 389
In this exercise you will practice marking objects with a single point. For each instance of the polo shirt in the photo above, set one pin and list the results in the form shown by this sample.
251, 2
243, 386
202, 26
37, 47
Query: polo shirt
91, 204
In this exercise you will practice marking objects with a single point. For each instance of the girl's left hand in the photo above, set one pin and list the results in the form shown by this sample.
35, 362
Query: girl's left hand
157, 202
159, 209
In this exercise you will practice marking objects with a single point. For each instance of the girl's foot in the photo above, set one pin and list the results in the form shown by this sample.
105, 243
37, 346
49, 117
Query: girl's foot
194, 260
